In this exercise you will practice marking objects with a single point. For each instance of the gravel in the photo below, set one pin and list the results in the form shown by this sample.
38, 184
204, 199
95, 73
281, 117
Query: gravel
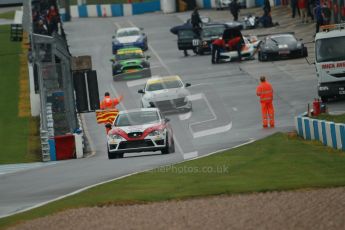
303, 209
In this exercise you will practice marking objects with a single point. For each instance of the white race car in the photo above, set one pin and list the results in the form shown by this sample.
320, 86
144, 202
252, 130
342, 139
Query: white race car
140, 130
251, 45
166, 93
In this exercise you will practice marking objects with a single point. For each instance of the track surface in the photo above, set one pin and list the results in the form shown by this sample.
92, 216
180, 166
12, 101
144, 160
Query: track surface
225, 108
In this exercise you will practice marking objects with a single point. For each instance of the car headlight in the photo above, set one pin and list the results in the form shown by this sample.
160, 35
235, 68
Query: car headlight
157, 132
115, 137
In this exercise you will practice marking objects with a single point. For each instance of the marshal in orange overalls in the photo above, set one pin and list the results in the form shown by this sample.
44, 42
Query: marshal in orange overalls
265, 92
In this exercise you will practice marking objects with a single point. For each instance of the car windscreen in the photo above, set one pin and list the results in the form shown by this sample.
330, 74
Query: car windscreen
137, 118
213, 31
164, 85
126, 33
131, 55
330, 49
186, 34
285, 39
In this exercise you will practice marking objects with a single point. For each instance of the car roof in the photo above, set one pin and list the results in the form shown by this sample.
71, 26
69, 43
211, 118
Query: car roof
128, 29
139, 110
163, 79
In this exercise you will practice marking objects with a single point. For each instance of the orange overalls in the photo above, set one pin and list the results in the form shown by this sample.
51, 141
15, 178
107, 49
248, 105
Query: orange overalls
265, 92
108, 103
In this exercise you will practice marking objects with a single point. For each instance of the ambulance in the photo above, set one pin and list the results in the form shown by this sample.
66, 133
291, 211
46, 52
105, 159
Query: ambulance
330, 61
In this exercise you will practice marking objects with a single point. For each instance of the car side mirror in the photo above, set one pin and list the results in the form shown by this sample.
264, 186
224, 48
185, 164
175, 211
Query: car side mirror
108, 126
188, 84
141, 28
113, 37
301, 39
148, 57
141, 91
112, 60
166, 120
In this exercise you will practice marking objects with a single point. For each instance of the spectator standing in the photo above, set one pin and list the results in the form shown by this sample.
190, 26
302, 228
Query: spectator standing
311, 5
294, 8
326, 14
53, 20
234, 7
318, 16
302, 6
267, 8
196, 22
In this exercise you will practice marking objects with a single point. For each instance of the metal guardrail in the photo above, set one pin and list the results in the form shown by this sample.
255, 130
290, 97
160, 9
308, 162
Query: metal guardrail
51, 56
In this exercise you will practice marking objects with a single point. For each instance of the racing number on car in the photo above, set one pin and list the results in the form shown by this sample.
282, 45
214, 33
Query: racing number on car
196, 42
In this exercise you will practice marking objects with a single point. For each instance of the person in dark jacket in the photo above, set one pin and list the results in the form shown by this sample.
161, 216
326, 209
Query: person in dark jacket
196, 21
234, 9
318, 16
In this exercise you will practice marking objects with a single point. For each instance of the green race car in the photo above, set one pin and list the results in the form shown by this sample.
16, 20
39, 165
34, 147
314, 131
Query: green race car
130, 63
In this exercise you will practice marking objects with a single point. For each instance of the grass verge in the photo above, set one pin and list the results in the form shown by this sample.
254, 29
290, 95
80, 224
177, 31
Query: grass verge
14, 130
7, 15
334, 118
279, 162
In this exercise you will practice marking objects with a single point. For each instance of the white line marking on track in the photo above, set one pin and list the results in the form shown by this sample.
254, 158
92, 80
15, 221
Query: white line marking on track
185, 116
217, 130
190, 155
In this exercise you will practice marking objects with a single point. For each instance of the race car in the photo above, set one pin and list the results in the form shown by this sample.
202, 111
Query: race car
130, 63
221, 4
129, 36
169, 94
209, 33
140, 130
248, 50
281, 46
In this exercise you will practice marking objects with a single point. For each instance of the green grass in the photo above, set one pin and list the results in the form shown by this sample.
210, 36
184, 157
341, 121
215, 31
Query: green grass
278, 162
334, 118
14, 131
7, 15
90, 2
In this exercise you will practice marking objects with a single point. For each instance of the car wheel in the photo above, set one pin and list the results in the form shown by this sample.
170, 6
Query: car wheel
200, 51
119, 155
168, 148
111, 155
324, 99
195, 51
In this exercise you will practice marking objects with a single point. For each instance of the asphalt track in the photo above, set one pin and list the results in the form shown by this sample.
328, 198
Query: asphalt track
225, 113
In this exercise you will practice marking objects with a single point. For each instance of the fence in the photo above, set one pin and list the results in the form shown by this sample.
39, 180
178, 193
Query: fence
51, 64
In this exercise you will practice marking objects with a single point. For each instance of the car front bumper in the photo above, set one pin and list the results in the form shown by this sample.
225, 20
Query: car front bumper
141, 73
146, 145
178, 104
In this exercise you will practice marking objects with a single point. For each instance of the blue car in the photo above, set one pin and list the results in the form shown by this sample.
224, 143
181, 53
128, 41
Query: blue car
129, 37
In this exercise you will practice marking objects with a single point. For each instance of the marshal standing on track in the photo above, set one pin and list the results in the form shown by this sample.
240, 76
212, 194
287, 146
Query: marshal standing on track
265, 92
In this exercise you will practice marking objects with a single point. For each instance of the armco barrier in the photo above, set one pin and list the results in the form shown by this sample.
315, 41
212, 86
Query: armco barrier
329, 133
115, 10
